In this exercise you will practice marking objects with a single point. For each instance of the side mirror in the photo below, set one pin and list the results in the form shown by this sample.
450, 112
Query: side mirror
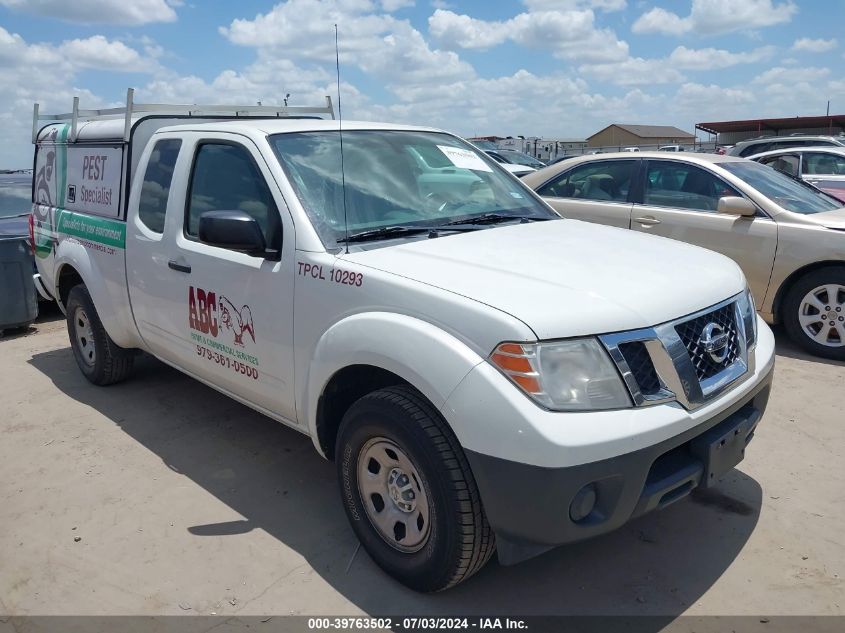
734, 205
235, 230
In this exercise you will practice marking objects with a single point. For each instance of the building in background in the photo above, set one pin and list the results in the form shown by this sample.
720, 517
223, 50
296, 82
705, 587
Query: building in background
619, 136
731, 132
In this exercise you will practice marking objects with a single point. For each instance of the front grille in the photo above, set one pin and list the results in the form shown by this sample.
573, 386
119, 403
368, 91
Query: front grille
639, 362
691, 332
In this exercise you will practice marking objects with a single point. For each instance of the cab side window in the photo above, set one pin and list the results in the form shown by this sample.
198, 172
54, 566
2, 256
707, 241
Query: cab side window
155, 189
225, 178
684, 186
787, 163
607, 180
818, 163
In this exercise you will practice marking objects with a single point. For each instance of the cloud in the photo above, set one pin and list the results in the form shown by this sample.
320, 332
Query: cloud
394, 5
98, 52
810, 45
125, 12
47, 73
634, 71
781, 75
570, 34
462, 31
714, 17
566, 5
714, 58
379, 44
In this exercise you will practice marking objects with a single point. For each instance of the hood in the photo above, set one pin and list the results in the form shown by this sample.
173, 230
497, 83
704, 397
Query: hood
567, 278
830, 219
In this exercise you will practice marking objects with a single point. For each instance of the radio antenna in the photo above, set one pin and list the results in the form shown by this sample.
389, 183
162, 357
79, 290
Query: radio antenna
340, 133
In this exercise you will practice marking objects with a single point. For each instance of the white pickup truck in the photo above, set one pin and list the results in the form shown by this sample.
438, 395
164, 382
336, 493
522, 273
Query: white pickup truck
486, 375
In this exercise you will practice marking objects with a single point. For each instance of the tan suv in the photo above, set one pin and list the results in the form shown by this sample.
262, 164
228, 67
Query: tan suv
788, 237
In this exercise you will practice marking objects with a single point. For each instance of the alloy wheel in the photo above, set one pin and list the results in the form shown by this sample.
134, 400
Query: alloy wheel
822, 315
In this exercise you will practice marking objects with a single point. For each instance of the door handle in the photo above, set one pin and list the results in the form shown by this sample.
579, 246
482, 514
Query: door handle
182, 268
647, 221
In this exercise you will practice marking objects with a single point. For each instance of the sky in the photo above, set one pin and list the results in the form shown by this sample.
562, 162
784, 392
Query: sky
548, 68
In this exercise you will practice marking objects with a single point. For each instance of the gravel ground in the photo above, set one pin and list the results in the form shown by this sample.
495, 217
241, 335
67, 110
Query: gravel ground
161, 496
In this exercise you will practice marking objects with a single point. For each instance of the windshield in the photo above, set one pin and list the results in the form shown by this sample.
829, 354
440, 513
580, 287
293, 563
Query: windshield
396, 179
518, 158
791, 194
15, 198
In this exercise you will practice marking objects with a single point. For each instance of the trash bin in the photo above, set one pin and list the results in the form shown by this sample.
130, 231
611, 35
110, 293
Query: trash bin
18, 302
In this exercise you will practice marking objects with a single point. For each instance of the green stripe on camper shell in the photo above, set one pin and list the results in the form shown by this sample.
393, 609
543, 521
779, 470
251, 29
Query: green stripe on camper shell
96, 229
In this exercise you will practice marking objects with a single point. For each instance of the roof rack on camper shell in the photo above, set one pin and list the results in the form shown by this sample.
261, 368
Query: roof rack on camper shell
133, 109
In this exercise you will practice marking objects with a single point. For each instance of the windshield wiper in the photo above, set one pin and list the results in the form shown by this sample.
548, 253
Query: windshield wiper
385, 232
494, 218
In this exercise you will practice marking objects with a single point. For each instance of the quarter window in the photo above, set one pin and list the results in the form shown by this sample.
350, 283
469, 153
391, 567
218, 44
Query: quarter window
225, 178
684, 186
607, 180
155, 189
824, 164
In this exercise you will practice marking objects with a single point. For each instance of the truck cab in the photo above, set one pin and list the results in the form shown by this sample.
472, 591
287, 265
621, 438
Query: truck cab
436, 329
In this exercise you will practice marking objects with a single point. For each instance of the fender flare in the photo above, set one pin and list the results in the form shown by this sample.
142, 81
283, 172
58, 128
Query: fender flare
427, 357
74, 255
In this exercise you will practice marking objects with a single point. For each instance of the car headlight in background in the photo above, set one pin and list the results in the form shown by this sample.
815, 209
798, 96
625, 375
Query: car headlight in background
748, 311
573, 375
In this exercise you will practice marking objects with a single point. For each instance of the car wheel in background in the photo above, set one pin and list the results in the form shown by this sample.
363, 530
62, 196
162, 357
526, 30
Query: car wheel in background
814, 312
408, 491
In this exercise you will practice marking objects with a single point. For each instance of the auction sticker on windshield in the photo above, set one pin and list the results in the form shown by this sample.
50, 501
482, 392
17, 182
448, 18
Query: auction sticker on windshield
464, 158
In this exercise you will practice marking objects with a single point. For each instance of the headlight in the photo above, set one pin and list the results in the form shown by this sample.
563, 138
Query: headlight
749, 316
574, 375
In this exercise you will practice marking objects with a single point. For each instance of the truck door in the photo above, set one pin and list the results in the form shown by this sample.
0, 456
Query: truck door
222, 315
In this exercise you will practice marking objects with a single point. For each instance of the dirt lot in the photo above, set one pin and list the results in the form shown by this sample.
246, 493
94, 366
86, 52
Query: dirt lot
160, 496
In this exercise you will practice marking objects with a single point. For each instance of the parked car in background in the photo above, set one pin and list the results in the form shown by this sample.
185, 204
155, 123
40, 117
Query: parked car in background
822, 167
769, 143
516, 157
631, 149
514, 168
788, 237
670, 148
485, 145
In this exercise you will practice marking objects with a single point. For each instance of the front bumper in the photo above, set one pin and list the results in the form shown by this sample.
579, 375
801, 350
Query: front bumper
531, 465
529, 506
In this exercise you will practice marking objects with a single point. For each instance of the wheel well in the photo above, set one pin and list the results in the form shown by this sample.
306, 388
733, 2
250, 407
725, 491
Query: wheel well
777, 305
344, 388
68, 278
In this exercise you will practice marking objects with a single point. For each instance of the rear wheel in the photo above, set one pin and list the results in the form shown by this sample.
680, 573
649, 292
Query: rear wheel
409, 493
814, 312
99, 358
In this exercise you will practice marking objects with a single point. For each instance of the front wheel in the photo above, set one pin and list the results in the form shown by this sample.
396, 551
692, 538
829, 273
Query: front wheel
409, 493
814, 312
99, 358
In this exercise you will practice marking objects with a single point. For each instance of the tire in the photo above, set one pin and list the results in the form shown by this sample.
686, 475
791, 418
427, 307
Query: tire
99, 358
456, 540
805, 305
